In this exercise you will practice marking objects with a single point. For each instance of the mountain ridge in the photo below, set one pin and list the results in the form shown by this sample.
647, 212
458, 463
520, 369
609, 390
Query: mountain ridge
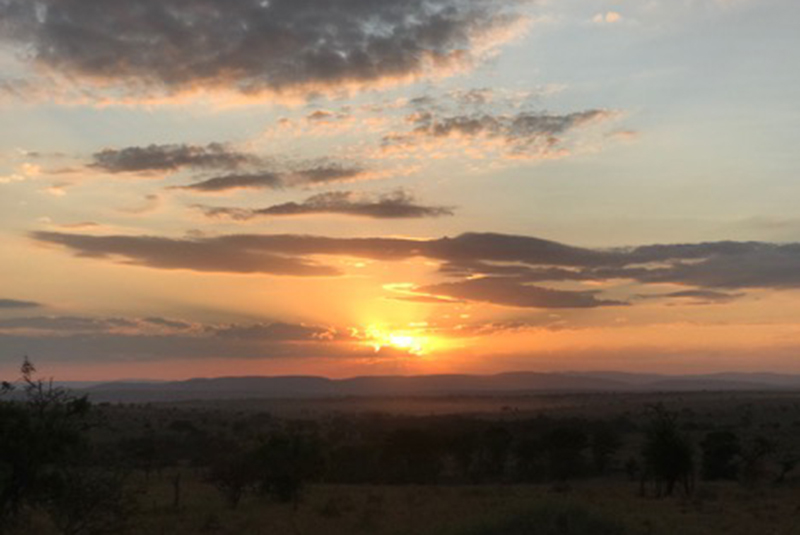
310, 386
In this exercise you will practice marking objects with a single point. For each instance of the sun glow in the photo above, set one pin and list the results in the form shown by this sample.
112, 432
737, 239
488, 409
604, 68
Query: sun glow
409, 340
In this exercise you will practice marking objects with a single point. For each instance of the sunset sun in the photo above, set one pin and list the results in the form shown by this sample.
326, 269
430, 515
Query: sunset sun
410, 341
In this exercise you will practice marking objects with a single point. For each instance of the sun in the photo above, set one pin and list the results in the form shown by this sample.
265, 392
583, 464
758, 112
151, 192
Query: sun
411, 341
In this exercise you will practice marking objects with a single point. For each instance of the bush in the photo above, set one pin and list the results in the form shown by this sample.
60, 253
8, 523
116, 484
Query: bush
667, 452
551, 519
42, 433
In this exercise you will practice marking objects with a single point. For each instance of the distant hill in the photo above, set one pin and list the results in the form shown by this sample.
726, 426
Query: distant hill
433, 385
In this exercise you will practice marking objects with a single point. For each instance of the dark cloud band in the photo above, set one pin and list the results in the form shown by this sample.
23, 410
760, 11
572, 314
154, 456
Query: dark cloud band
253, 45
395, 205
498, 268
167, 158
10, 304
320, 174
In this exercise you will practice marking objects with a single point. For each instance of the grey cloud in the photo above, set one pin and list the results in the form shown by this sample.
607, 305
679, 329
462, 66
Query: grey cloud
251, 45
65, 323
150, 203
169, 323
530, 274
263, 180
547, 321
325, 116
427, 299
6, 304
513, 292
170, 158
523, 134
395, 205
325, 174
104, 339
491, 247
700, 297
231, 250
277, 331
505, 263
204, 254
725, 265
61, 325
269, 179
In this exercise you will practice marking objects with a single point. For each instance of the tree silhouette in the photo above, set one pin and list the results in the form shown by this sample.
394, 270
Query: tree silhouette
721, 450
667, 452
43, 461
233, 475
41, 432
564, 447
605, 441
283, 464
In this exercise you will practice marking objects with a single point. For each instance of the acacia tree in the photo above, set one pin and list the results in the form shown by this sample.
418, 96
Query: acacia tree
43, 453
667, 452
721, 451
40, 430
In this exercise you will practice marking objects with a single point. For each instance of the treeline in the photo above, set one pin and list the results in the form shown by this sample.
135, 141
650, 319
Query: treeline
75, 467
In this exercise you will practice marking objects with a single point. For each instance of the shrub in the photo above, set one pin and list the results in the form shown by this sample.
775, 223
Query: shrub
550, 519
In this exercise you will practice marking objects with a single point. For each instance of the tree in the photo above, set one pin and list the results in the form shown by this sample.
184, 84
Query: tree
233, 475
88, 501
284, 462
605, 442
411, 456
721, 450
564, 448
667, 452
41, 433
497, 443
755, 453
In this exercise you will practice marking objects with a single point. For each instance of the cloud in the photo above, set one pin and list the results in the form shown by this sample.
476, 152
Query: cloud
277, 331
398, 204
697, 297
524, 134
505, 269
242, 252
609, 17
255, 46
65, 324
81, 225
25, 171
262, 180
58, 189
730, 265
150, 203
428, 299
202, 254
72, 325
82, 338
513, 292
269, 179
11, 304
169, 158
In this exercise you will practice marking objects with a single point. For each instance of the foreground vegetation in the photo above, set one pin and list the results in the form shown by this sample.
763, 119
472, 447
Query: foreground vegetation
70, 467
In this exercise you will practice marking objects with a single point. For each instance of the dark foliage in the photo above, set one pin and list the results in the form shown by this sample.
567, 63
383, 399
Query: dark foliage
43, 453
551, 519
667, 452
721, 450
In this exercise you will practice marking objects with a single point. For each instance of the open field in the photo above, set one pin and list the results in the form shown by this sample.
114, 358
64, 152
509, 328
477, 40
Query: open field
405, 510
459, 465
510, 405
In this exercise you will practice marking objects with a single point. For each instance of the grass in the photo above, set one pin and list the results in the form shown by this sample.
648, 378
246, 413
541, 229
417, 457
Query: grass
608, 507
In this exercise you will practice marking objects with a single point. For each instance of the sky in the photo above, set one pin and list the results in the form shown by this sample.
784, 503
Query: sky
361, 187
